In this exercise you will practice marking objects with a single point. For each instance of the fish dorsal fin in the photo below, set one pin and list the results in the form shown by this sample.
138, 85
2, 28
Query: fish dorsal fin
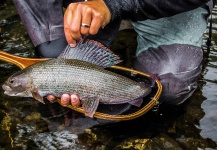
91, 51
90, 105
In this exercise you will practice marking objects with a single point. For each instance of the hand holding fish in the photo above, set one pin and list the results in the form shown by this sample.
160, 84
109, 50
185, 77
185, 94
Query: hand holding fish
66, 99
85, 18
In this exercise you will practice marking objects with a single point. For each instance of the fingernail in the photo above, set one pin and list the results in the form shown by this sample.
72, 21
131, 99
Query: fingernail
75, 102
72, 45
65, 101
50, 97
73, 99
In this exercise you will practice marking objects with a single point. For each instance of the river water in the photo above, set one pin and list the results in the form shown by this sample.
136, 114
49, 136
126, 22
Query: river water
26, 124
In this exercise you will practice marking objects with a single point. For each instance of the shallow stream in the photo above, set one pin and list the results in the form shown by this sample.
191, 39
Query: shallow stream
26, 124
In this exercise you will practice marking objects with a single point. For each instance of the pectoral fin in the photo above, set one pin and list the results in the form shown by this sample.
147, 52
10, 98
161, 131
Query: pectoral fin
90, 105
38, 97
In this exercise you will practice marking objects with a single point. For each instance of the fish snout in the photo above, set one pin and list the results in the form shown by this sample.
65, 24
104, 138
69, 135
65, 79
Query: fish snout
6, 88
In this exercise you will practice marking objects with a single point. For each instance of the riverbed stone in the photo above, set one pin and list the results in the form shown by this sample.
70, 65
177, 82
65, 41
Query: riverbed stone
161, 141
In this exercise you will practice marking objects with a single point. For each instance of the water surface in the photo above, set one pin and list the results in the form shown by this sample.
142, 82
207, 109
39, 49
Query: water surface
26, 124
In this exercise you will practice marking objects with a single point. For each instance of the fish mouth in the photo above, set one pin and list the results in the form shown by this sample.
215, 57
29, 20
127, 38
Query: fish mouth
6, 87
8, 90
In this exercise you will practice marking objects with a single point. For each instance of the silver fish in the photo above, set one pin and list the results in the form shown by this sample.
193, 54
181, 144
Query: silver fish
92, 83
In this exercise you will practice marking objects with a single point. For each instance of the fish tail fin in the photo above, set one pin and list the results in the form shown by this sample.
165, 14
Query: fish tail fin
91, 51
154, 77
138, 102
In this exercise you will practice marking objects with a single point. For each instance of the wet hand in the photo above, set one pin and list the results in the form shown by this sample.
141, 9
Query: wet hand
84, 18
66, 99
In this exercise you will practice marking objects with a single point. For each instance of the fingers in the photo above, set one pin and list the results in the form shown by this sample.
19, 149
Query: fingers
66, 99
91, 21
84, 18
51, 98
72, 21
95, 24
69, 39
86, 21
75, 100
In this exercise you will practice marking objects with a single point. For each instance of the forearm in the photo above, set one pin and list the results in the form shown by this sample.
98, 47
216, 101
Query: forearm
150, 9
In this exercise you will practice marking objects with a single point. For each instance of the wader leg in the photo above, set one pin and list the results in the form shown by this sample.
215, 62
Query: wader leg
171, 48
178, 67
44, 23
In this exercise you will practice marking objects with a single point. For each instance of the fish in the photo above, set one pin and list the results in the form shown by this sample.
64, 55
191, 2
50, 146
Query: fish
79, 70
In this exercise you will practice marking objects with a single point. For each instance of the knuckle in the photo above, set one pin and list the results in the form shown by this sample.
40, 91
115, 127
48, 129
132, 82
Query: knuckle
80, 5
72, 5
98, 15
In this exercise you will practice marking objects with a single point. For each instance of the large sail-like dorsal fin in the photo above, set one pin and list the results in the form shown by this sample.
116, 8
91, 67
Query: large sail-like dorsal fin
91, 51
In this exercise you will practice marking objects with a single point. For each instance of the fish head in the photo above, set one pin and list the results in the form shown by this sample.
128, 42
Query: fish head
18, 84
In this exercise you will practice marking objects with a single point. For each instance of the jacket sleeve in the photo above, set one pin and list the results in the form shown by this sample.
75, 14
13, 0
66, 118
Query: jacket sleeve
149, 9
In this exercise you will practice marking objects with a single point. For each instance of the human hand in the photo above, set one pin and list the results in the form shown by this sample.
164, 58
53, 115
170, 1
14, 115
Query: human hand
84, 18
66, 99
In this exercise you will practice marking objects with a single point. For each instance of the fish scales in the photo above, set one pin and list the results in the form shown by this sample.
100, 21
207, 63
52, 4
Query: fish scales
60, 76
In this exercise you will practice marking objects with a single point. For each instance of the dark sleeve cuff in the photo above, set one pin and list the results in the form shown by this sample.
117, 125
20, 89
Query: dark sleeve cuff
148, 9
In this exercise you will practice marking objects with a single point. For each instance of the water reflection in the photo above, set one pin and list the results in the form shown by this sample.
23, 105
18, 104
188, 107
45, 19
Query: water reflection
26, 124
208, 124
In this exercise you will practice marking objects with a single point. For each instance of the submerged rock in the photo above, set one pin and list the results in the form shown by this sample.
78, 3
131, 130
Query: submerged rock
162, 141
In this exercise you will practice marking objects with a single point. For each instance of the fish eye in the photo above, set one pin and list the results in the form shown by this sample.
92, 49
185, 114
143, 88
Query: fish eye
12, 81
